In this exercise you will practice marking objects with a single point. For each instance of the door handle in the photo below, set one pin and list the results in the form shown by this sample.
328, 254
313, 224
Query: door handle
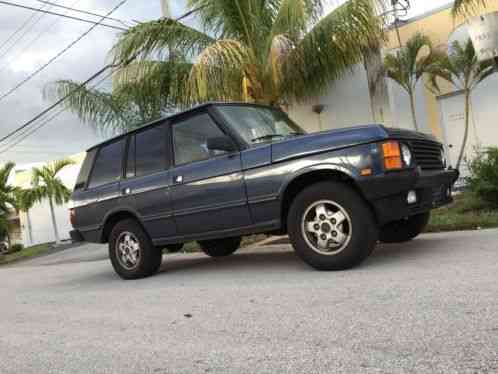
126, 191
179, 179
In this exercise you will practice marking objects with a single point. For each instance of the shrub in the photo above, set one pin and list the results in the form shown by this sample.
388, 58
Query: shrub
16, 248
483, 179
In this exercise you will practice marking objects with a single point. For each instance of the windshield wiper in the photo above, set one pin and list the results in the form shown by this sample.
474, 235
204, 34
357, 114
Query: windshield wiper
268, 137
273, 136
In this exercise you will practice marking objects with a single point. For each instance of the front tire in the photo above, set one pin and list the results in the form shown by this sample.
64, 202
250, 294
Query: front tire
331, 227
131, 251
404, 230
220, 247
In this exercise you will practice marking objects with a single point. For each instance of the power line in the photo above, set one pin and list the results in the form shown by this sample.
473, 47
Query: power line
21, 137
34, 40
13, 35
124, 23
68, 47
26, 25
119, 65
64, 16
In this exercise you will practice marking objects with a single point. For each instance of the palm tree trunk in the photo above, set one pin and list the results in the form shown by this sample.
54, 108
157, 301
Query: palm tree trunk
466, 131
54, 223
30, 228
414, 114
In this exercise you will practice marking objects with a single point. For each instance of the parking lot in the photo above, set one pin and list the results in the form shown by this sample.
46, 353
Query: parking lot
429, 306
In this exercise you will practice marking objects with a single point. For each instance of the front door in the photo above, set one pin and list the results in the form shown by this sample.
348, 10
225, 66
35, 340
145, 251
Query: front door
208, 191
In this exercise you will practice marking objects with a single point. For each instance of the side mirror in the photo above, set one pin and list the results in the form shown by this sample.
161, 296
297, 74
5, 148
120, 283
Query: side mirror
221, 143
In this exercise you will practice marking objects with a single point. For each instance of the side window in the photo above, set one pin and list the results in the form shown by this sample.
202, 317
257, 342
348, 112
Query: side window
130, 162
190, 139
108, 165
85, 170
150, 151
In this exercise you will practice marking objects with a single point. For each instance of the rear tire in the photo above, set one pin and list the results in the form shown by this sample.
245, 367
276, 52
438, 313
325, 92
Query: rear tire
220, 247
404, 230
331, 227
131, 251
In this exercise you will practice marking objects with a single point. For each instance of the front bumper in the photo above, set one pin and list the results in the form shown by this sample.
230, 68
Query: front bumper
388, 193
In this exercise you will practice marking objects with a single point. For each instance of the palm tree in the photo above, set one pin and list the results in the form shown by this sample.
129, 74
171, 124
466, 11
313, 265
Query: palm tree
26, 199
7, 198
7, 192
271, 52
408, 66
462, 68
47, 185
467, 7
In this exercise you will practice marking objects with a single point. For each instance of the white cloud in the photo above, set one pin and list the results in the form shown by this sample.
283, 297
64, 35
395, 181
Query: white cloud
65, 135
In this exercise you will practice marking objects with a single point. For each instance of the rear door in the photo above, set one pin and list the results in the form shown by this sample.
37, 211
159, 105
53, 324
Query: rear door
208, 191
146, 187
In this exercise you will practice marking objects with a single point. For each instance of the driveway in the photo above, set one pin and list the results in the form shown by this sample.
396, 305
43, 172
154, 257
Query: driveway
429, 306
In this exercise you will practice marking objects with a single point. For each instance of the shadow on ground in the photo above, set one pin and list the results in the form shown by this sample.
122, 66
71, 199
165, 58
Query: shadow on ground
276, 259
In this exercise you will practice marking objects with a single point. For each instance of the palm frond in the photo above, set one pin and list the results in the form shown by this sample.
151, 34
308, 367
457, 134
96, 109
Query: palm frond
294, 18
219, 71
157, 39
332, 47
467, 7
99, 109
408, 65
47, 184
154, 86
5, 172
461, 67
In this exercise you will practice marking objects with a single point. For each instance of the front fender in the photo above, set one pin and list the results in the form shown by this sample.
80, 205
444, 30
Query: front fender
350, 173
347, 162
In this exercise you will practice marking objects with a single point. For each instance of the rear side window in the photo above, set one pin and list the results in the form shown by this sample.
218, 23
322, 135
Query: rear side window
150, 151
108, 165
85, 170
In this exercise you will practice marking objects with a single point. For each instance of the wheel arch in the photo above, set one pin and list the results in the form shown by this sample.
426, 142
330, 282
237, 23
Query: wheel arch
113, 218
298, 182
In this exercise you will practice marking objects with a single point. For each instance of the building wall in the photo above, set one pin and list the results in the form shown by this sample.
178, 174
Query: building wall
346, 103
41, 222
439, 25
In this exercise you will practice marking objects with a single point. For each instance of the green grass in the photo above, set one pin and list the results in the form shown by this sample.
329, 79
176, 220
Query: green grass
25, 254
466, 213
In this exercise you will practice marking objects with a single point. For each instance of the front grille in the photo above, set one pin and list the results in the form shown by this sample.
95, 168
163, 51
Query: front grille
427, 154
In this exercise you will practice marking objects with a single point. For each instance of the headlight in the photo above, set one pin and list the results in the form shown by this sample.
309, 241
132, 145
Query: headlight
444, 161
407, 155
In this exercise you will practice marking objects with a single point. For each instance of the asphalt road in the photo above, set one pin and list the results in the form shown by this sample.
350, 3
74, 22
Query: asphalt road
430, 306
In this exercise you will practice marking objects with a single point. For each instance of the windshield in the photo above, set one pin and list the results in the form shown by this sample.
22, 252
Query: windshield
259, 124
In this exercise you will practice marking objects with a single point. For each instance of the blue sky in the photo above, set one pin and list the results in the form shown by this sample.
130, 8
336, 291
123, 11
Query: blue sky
67, 135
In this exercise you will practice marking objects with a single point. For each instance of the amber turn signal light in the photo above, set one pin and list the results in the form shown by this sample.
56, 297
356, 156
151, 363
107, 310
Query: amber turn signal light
392, 155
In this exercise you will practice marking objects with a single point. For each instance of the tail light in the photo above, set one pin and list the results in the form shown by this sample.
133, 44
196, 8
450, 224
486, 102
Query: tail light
72, 216
392, 155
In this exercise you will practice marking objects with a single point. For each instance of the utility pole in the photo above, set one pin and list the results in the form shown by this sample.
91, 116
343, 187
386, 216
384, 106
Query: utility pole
398, 9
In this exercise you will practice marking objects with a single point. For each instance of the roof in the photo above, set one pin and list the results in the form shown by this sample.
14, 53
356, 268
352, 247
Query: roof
172, 117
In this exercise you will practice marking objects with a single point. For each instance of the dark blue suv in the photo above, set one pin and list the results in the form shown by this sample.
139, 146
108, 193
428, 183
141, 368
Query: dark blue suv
221, 171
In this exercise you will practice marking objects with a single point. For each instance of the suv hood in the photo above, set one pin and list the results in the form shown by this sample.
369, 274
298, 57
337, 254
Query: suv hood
328, 141
402, 134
